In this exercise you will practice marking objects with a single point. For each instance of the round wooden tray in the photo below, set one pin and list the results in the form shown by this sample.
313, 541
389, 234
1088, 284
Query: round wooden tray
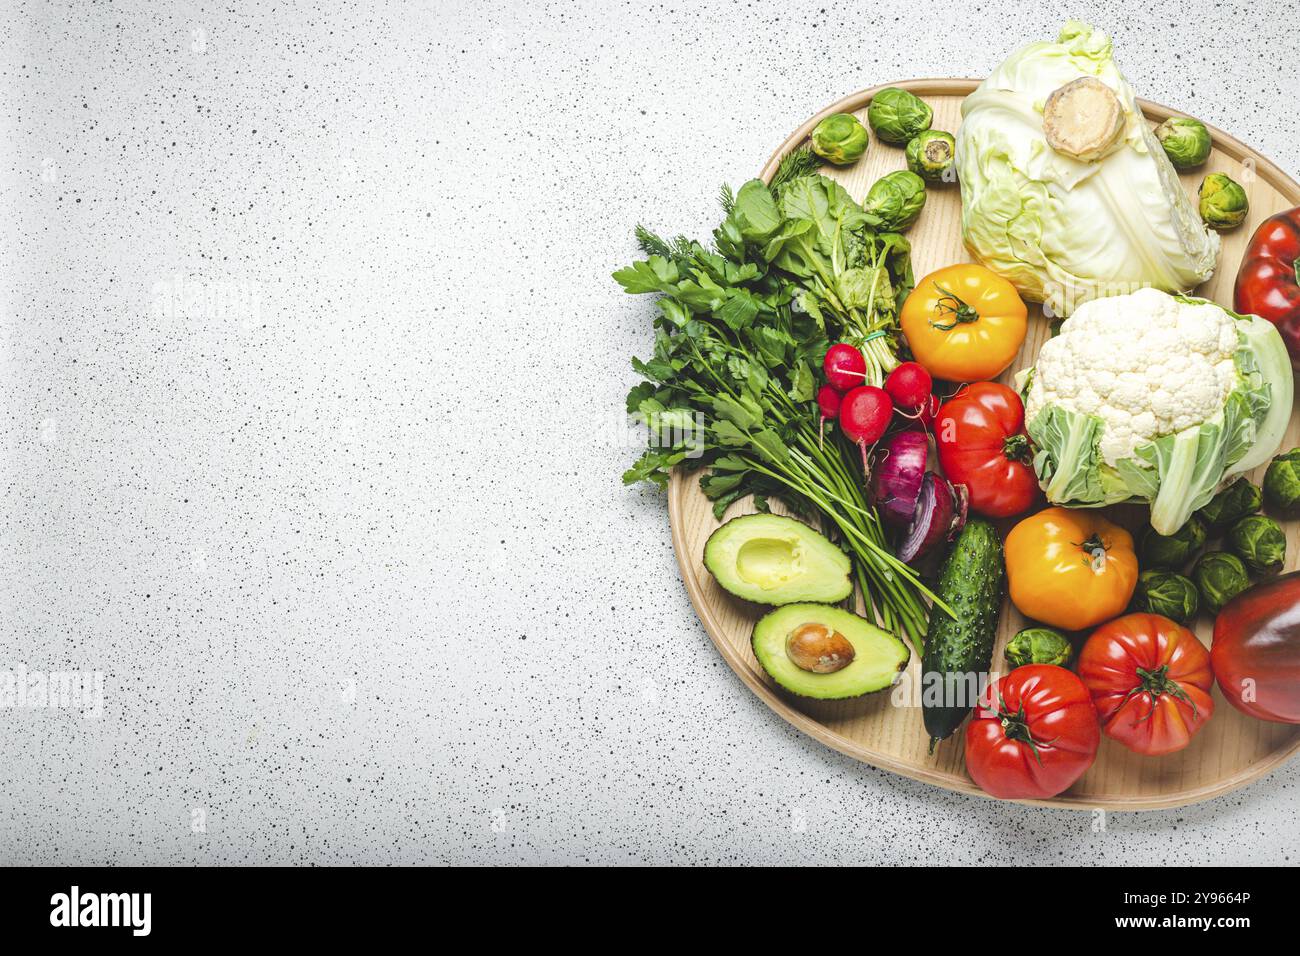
1231, 751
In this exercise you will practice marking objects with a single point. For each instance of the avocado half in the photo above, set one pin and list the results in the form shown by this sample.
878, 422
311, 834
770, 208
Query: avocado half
771, 559
878, 656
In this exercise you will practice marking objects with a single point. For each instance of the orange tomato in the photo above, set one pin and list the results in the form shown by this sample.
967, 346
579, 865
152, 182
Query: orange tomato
1070, 569
964, 324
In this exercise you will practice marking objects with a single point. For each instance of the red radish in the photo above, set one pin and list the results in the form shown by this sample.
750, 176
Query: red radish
864, 416
828, 404
929, 412
924, 417
845, 366
909, 386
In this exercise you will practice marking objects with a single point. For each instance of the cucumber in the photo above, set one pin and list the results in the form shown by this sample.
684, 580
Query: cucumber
959, 650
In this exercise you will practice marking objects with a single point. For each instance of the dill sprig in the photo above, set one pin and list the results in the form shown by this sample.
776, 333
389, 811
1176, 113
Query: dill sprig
677, 249
795, 165
727, 198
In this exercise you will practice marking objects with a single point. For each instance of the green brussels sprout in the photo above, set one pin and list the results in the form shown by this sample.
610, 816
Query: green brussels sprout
1230, 505
840, 139
1282, 483
1172, 551
1167, 593
1260, 542
1186, 141
1038, 645
1223, 203
1220, 577
896, 115
930, 155
894, 201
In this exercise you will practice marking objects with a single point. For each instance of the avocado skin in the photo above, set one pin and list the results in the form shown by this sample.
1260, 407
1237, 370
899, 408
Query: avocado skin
723, 547
972, 582
880, 656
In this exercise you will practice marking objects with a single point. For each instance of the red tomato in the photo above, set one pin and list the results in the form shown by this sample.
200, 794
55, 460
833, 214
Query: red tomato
1034, 734
1150, 679
982, 444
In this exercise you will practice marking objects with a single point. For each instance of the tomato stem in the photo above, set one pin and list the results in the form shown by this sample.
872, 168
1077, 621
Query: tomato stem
951, 304
1094, 550
1016, 727
1016, 448
1155, 683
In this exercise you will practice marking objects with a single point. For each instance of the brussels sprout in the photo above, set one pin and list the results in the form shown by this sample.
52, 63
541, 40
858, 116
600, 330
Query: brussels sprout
896, 115
840, 139
1172, 551
1223, 202
1230, 505
1220, 577
1038, 645
1186, 141
1167, 593
930, 155
894, 201
1282, 483
1260, 542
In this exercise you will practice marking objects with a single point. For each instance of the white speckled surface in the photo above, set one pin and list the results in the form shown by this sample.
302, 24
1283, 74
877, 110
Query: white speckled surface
344, 532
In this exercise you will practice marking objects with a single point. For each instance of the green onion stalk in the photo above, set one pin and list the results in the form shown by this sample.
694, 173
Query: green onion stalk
876, 337
892, 590
880, 358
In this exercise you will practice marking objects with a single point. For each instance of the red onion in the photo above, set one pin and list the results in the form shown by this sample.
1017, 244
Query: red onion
897, 476
963, 510
940, 513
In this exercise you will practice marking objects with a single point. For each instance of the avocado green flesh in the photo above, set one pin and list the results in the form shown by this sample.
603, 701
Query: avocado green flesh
878, 656
771, 559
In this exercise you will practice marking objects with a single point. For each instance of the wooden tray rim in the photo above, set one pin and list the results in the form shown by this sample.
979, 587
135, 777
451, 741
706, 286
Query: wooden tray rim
1226, 144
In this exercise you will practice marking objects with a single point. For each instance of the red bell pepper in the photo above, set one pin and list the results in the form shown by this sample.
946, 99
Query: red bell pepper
1256, 650
1268, 283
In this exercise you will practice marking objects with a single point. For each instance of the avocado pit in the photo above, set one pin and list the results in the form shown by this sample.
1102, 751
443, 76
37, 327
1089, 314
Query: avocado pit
819, 649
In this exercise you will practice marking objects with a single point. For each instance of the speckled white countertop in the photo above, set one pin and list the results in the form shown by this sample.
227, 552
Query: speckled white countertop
311, 370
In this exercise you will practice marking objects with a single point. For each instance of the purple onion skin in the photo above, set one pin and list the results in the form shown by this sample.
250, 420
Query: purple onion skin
933, 520
898, 475
962, 497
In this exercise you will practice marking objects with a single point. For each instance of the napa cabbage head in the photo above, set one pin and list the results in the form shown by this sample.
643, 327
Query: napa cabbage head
1155, 398
1061, 230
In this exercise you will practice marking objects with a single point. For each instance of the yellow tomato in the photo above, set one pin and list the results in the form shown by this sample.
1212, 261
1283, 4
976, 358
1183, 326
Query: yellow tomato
1070, 569
964, 324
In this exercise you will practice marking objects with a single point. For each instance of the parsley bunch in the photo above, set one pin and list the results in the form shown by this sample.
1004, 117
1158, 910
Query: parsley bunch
742, 328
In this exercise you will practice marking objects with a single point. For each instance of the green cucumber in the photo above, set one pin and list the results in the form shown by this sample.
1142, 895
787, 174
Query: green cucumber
959, 649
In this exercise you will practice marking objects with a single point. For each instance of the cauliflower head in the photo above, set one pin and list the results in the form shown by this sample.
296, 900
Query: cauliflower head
1157, 398
1146, 364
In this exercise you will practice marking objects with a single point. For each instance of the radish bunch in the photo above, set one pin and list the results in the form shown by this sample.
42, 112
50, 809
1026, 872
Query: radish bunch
864, 411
